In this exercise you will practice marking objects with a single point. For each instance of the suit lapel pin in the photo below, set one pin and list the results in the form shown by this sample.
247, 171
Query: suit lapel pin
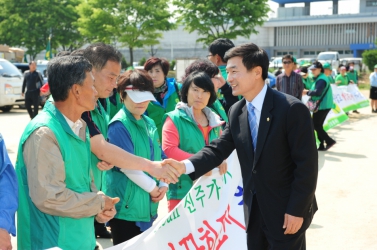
268, 119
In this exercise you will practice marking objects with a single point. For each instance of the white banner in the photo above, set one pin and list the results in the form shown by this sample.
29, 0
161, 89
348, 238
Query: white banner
349, 97
209, 217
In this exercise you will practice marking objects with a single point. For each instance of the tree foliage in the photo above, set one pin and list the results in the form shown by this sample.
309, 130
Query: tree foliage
370, 58
29, 23
214, 19
133, 23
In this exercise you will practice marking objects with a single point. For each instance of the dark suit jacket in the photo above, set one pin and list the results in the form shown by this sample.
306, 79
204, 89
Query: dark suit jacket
284, 169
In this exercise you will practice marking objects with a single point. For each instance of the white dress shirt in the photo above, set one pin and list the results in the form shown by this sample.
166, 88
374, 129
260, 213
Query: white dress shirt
75, 126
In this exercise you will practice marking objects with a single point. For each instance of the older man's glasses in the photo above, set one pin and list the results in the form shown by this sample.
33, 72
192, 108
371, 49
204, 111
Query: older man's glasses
287, 62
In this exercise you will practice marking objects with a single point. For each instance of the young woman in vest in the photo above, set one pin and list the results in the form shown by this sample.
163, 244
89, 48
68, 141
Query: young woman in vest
220, 107
321, 88
190, 127
165, 90
136, 133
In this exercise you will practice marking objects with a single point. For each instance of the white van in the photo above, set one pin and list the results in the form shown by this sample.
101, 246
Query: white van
10, 86
330, 57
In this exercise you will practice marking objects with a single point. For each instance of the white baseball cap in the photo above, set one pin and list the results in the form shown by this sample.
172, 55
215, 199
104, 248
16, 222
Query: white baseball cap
138, 96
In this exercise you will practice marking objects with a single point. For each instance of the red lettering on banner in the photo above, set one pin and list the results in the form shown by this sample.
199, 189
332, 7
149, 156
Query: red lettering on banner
229, 219
188, 238
213, 239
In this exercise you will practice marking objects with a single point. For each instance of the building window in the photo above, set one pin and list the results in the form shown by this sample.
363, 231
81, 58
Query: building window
348, 52
372, 3
340, 52
312, 52
306, 53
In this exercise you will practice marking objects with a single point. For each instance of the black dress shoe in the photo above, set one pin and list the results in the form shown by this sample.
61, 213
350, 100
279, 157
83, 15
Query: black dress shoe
374, 110
355, 111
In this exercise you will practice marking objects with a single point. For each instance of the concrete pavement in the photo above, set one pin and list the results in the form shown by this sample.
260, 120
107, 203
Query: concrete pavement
346, 190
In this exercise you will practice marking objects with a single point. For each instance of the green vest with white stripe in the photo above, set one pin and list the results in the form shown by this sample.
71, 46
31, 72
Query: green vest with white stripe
135, 203
191, 140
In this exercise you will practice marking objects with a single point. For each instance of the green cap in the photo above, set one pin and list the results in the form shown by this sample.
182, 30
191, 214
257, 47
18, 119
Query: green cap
294, 60
375, 66
327, 66
304, 63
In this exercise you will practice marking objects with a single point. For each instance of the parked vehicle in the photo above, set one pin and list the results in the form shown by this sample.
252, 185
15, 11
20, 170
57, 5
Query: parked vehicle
330, 57
276, 63
358, 61
10, 86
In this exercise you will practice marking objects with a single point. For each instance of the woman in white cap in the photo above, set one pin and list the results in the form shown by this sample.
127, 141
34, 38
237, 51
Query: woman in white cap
136, 133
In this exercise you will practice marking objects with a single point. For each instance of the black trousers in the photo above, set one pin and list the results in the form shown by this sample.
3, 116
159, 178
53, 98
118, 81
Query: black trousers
318, 120
123, 230
32, 99
259, 238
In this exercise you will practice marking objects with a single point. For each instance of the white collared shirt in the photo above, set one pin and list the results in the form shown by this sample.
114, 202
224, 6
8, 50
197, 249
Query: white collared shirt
257, 103
75, 126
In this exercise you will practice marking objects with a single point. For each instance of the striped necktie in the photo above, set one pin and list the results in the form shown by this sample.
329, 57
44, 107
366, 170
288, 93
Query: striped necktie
253, 124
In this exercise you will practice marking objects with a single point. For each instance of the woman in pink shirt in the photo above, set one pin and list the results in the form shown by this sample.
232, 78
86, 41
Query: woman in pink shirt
190, 127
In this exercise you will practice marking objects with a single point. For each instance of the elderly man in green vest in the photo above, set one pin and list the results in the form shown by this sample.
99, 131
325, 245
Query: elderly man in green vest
106, 61
57, 199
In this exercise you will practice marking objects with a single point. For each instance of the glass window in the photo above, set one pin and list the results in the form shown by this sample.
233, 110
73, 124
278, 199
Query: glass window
372, 3
348, 52
340, 52
280, 53
306, 53
312, 52
7, 69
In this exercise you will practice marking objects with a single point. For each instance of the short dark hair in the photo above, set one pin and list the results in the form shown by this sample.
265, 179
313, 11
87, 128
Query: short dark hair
252, 56
318, 65
99, 53
138, 78
202, 65
153, 61
78, 52
65, 71
63, 53
288, 56
220, 46
202, 80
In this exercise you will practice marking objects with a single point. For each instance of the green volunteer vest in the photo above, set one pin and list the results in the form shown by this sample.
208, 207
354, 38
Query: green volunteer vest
101, 119
135, 203
343, 79
191, 140
327, 101
308, 82
352, 76
156, 112
114, 109
38, 230
219, 109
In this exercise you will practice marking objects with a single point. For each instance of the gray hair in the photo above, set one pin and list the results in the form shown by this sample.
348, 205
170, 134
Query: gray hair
65, 71
99, 53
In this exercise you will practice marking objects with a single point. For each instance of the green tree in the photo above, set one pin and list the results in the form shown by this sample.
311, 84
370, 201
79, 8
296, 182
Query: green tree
142, 61
133, 23
214, 19
29, 23
370, 58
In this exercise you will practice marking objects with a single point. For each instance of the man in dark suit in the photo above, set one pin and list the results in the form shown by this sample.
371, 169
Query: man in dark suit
273, 135
33, 81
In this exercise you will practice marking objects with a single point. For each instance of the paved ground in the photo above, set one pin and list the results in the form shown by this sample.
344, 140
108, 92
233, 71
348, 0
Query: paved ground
346, 191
